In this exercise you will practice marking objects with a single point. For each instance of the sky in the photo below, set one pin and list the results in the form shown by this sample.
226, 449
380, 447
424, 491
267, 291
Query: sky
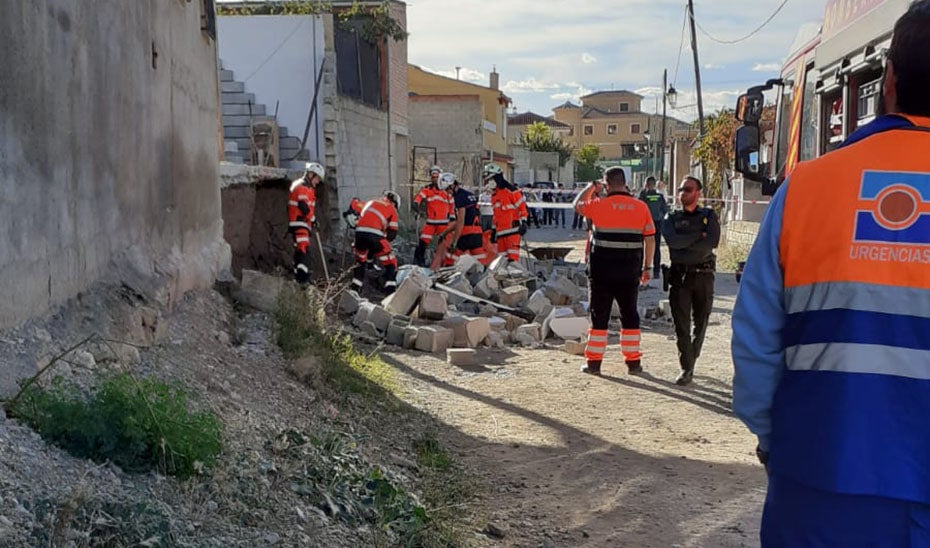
550, 51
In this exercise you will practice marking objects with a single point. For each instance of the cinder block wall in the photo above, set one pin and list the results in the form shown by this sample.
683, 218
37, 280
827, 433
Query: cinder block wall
109, 132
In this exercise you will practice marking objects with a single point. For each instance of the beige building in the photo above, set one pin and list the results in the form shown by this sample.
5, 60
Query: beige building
517, 124
493, 105
615, 123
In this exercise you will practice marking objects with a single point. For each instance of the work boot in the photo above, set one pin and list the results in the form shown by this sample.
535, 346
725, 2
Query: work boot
684, 378
634, 367
592, 368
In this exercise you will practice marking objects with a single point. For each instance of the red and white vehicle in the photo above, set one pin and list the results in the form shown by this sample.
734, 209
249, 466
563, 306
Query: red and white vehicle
829, 87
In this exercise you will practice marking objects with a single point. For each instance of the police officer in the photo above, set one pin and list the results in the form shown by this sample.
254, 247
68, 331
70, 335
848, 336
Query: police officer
658, 207
692, 234
830, 341
301, 213
620, 259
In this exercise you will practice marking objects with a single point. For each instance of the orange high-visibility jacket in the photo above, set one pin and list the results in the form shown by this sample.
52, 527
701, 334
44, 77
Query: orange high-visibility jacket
439, 205
506, 211
301, 206
379, 217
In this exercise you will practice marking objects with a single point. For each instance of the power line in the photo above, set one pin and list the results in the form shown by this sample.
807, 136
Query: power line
748, 36
276, 50
681, 45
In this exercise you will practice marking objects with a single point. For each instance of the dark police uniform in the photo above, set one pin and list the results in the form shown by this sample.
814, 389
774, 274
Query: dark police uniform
691, 239
658, 207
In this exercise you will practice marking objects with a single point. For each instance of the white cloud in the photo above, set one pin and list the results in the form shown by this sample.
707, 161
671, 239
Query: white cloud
574, 96
465, 74
766, 67
588, 59
714, 66
530, 85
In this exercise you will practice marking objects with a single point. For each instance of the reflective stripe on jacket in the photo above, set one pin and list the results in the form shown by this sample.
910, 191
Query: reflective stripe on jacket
378, 217
439, 206
301, 206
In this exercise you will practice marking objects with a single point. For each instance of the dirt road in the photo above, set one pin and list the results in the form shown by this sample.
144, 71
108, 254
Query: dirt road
572, 460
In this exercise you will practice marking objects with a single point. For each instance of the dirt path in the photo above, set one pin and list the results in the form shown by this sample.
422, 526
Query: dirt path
573, 460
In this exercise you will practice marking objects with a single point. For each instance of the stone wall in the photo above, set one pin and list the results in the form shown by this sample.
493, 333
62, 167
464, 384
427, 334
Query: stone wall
109, 141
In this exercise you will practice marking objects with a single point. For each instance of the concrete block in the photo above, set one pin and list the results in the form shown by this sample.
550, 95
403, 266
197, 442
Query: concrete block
380, 317
434, 339
433, 305
468, 332
395, 331
496, 339
575, 348
467, 263
561, 291
487, 287
497, 323
569, 328
349, 302
411, 334
532, 330
259, 290
538, 302
461, 356
514, 296
361, 315
405, 297
513, 322
557, 312
369, 329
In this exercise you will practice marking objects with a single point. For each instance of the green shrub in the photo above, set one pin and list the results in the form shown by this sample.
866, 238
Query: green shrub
303, 327
137, 425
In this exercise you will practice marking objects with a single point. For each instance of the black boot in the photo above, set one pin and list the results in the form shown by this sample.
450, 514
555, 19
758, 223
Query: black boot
684, 378
593, 367
419, 255
634, 367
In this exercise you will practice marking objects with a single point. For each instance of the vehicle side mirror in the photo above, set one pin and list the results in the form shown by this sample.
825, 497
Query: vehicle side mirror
749, 107
748, 157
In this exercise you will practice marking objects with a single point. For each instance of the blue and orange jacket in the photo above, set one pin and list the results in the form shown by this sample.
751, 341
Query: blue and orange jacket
831, 329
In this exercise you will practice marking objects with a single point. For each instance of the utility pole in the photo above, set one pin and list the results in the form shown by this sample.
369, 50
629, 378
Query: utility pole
697, 81
664, 101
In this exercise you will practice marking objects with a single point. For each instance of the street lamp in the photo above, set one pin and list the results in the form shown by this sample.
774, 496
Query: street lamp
672, 96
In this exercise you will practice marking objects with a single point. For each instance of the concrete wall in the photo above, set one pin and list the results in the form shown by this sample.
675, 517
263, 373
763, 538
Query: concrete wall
741, 233
278, 58
360, 159
452, 124
109, 141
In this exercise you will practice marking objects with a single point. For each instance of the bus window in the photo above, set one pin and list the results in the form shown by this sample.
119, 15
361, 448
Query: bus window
809, 117
832, 120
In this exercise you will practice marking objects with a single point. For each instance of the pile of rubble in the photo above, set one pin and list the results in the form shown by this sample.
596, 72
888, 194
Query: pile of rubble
460, 308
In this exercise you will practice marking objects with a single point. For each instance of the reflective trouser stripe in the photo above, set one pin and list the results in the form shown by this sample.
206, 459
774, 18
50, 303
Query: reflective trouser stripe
629, 344
597, 344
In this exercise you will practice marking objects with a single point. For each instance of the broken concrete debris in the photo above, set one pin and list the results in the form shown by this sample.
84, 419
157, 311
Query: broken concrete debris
459, 308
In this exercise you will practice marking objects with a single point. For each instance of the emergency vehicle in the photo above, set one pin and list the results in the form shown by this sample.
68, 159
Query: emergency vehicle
829, 87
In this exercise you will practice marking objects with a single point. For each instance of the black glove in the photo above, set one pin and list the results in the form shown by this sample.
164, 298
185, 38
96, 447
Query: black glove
523, 228
493, 236
304, 208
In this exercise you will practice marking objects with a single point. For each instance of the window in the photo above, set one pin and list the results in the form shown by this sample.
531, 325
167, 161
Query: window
628, 151
624, 107
635, 129
611, 129
867, 106
589, 130
784, 126
809, 117
358, 64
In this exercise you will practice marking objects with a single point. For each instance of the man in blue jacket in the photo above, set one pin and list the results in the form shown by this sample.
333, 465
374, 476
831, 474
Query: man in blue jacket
831, 335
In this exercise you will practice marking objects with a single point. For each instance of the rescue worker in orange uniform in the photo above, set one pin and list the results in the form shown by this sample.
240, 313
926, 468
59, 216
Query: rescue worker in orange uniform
466, 221
436, 205
301, 213
353, 212
377, 227
510, 212
622, 244
830, 333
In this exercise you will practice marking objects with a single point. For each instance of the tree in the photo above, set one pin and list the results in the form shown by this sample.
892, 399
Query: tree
716, 150
586, 168
538, 137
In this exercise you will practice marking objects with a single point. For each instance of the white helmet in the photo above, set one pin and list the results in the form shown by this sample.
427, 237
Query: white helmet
313, 167
435, 170
446, 180
490, 170
393, 197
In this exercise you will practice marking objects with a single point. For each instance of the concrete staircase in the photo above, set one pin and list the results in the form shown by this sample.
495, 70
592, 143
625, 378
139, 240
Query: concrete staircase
235, 105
